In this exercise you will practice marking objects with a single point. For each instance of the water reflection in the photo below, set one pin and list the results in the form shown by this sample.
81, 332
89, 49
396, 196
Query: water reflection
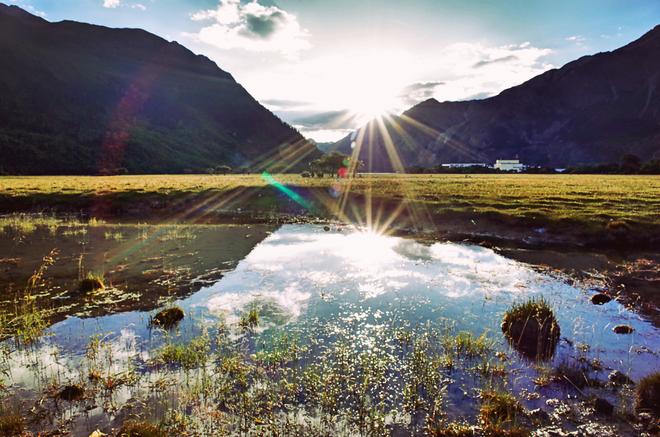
356, 285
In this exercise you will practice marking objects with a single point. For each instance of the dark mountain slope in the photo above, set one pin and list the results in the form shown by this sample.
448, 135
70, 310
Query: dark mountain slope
592, 110
79, 98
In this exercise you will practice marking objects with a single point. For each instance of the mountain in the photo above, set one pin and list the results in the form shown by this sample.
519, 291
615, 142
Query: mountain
590, 111
82, 99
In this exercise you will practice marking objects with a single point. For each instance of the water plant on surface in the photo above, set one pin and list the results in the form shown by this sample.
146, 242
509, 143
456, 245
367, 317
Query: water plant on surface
531, 328
92, 282
648, 394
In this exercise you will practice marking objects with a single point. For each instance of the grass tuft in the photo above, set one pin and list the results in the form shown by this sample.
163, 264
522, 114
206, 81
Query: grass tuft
92, 282
531, 328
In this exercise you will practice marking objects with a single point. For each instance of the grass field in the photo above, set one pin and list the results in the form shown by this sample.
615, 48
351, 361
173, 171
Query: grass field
585, 198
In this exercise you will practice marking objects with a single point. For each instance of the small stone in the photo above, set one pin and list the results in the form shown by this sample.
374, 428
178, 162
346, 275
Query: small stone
602, 406
623, 329
71, 393
538, 415
600, 299
619, 377
168, 318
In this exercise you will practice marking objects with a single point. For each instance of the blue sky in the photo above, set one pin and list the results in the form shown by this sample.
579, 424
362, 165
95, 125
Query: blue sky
328, 66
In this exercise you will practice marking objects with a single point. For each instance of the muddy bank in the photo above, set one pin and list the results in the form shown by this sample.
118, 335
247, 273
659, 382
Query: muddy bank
141, 266
268, 205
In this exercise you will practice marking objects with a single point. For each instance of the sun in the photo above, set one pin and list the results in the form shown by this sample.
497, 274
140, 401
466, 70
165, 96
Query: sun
371, 98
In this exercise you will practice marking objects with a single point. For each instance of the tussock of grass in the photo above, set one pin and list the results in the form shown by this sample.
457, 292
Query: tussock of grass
531, 328
648, 394
92, 282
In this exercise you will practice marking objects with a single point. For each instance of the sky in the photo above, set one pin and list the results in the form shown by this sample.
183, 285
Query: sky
327, 67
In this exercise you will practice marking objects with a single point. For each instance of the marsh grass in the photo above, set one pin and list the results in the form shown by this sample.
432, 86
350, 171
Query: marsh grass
30, 321
188, 356
499, 411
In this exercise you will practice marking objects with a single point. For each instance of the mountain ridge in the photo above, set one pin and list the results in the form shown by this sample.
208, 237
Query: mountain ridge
78, 98
592, 110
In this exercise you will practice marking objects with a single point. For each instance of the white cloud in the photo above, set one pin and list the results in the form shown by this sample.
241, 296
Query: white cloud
478, 71
111, 4
577, 39
251, 26
139, 6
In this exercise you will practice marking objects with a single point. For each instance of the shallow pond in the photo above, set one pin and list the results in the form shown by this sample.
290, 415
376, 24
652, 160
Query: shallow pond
368, 293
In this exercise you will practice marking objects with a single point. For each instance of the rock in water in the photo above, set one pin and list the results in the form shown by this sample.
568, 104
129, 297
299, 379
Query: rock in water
168, 318
623, 329
602, 406
600, 299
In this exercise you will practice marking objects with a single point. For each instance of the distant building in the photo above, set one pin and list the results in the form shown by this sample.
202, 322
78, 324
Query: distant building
464, 164
509, 165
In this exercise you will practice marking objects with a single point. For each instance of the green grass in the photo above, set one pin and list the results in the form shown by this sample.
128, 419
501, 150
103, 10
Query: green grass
583, 198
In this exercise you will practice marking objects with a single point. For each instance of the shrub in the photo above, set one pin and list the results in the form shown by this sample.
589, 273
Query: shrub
532, 329
306, 174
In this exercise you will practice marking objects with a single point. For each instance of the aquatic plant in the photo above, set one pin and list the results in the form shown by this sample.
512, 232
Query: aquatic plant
168, 318
531, 328
189, 356
647, 394
92, 282
249, 320
499, 408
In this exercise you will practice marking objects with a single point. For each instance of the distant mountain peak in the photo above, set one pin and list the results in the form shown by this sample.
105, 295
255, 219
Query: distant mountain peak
592, 110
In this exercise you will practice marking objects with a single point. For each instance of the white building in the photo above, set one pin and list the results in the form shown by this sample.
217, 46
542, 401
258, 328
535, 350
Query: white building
509, 165
464, 164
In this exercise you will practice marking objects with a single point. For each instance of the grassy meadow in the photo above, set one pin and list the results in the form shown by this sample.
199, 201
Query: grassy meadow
584, 198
